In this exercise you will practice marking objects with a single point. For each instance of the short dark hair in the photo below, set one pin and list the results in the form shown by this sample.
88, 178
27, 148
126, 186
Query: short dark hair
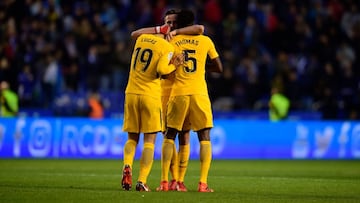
185, 18
172, 11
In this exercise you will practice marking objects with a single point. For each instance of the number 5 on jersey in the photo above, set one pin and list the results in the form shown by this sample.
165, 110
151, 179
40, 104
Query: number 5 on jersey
190, 62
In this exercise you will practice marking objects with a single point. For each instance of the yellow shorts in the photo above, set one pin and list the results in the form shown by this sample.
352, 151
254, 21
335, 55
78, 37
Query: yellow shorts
164, 102
142, 114
189, 112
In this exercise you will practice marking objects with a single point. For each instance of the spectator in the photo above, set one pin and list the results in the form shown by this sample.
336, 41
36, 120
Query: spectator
96, 109
326, 91
51, 79
279, 105
303, 35
26, 86
8, 100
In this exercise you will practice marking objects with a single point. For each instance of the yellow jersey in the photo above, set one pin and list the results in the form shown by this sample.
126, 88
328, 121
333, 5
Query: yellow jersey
166, 85
190, 77
150, 60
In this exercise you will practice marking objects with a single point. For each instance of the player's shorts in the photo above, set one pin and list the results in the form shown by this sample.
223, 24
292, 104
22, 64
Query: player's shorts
189, 112
142, 114
164, 102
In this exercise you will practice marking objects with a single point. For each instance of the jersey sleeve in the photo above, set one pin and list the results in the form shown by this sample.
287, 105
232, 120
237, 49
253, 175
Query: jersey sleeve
163, 67
212, 50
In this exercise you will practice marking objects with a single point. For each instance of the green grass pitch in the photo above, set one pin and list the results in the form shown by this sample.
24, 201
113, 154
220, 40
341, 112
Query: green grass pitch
32, 180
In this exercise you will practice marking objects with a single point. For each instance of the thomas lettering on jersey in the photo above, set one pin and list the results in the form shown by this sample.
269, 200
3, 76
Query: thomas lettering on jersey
187, 41
152, 41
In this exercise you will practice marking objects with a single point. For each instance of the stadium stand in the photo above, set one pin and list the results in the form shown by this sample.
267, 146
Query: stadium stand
54, 53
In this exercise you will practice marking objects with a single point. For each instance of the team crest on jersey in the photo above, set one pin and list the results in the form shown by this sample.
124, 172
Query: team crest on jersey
170, 55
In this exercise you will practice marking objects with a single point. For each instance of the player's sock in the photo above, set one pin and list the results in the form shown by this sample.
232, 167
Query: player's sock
174, 165
205, 160
184, 153
166, 156
146, 161
129, 152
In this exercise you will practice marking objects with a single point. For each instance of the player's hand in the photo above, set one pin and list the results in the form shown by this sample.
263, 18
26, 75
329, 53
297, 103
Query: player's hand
170, 35
178, 60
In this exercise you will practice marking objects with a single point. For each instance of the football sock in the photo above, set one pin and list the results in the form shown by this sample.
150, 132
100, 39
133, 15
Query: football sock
174, 165
166, 156
205, 160
184, 154
146, 161
129, 152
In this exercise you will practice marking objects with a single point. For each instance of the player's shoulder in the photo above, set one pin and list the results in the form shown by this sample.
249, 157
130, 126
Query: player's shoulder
142, 36
200, 37
190, 37
151, 38
206, 37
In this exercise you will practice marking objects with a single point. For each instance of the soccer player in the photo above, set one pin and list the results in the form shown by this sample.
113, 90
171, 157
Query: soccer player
152, 57
170, 28
189, 104
180, 159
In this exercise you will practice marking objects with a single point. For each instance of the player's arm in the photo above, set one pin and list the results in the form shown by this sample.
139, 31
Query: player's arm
164, 29
214, 65
164, 67
189, 30
176, 60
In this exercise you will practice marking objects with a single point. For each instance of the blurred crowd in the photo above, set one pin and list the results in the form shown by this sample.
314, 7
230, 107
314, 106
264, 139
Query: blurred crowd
310, 49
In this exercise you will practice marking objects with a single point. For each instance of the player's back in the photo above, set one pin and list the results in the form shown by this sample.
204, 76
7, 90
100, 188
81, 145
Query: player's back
150, 59
190, 77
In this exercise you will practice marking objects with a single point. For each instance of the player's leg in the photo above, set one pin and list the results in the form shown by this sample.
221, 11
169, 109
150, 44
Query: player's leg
130, 148
167, 151
129, 153
202, 123
174, 161
146, 161
176, 115
131, 125
184, 155
151, 124
174, 169
205, 159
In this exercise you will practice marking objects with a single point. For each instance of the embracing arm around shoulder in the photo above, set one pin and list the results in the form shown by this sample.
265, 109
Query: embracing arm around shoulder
164, 29
189, 30
164, 66
147, 30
